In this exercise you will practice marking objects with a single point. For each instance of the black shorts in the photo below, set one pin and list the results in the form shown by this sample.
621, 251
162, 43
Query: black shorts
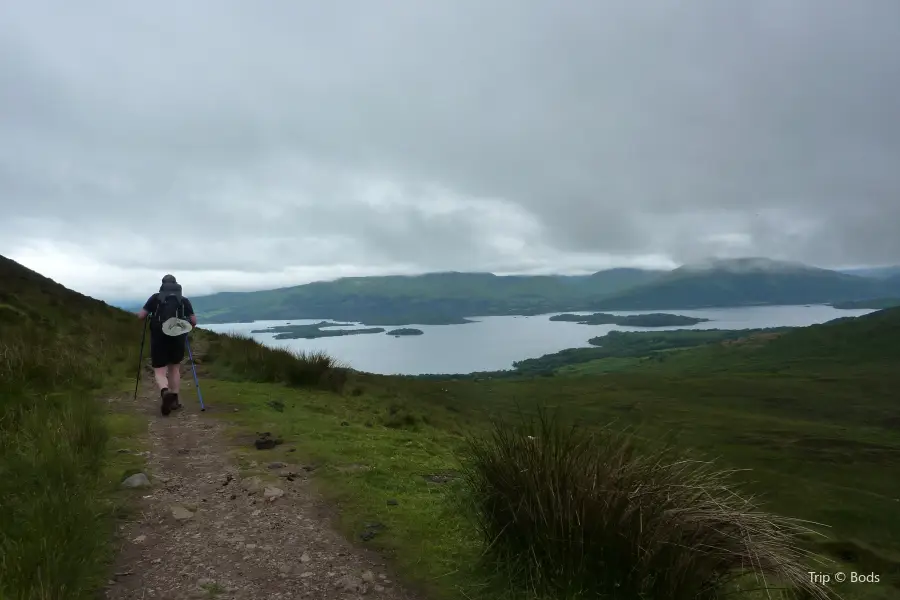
166, 349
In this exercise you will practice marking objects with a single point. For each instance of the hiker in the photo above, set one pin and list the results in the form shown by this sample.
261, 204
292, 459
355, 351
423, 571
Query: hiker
168, 310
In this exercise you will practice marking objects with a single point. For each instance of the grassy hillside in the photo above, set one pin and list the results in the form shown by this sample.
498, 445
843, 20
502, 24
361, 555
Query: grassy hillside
852, 348
629, 347
855, 348
876, 303
57, 348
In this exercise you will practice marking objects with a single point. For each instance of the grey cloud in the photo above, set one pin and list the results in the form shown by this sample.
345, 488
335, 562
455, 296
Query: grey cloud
601, 129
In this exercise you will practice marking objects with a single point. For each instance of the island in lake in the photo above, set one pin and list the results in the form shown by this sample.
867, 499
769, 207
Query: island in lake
438, 318
310, 332
648, 320
405, 331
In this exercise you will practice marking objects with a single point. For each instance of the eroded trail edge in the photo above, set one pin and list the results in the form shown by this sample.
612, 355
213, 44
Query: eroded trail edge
201, 531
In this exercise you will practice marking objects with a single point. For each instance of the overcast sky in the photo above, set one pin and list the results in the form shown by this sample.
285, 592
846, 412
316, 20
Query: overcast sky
246, 145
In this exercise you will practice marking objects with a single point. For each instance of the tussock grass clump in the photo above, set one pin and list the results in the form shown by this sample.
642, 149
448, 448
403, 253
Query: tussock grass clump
567, 513
401, 416
247, 359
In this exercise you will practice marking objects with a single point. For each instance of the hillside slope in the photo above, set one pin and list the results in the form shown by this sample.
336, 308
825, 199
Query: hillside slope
30, 299
873, 303
861, 349
56, 348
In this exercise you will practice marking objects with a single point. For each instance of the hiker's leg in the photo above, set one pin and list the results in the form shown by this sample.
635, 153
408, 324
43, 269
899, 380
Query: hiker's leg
174, 356
162, 380
158, 359
174, 372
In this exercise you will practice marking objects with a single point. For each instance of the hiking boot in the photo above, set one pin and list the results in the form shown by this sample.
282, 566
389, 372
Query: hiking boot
167, 400
177, 403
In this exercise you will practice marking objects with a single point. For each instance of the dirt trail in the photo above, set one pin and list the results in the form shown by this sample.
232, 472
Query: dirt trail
202, 532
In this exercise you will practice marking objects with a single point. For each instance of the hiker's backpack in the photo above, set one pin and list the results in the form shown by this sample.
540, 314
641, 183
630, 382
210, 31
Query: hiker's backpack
170, 305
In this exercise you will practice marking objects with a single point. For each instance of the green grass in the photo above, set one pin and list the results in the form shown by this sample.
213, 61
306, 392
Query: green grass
599, 366
57, 470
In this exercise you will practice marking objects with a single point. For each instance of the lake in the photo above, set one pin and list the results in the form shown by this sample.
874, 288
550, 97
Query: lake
494, 343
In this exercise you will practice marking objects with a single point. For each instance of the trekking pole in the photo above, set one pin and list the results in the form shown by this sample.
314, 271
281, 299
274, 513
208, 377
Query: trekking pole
194, 371
137, 378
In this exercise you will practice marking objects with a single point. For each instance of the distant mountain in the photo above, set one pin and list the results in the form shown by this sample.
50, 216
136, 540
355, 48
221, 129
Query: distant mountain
432, 298
443, 298
892, 284
743, 282
876, 272
752, 264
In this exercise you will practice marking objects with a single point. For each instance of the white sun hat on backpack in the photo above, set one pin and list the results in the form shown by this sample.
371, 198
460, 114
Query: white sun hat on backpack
176, 327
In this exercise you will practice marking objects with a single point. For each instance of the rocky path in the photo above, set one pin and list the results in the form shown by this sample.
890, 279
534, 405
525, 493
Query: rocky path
200, 531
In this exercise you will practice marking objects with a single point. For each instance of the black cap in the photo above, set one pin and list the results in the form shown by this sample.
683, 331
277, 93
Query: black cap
169, 279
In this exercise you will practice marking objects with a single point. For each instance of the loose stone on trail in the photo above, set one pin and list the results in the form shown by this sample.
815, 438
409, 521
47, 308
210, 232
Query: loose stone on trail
138, 480
251, 485
180, 513
272, 493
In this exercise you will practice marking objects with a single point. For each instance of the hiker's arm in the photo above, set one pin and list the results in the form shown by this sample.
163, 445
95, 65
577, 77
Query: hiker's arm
189, 309
147, 309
